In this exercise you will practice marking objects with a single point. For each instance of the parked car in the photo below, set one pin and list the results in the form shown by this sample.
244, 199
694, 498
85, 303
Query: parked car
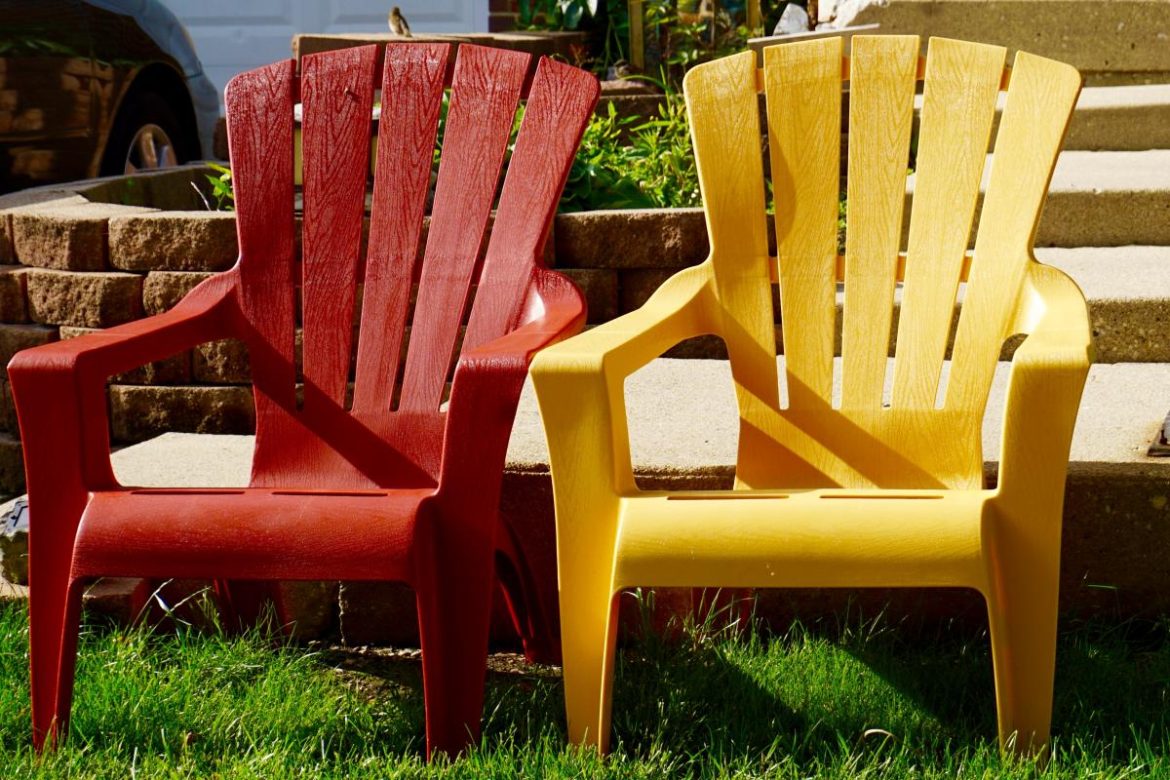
97, 88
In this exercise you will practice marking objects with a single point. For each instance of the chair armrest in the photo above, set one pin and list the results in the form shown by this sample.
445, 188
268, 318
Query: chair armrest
200, 316
59, 387
1044, 390
579, 386
486, 390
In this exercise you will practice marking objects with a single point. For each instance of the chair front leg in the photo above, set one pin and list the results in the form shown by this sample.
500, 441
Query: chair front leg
1022, 600
454, 582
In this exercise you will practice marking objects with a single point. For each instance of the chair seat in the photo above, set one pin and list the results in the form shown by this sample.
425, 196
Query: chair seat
248, 533
811, 538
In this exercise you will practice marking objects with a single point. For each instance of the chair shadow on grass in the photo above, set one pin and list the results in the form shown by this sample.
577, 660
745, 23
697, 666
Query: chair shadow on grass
871, 685
1112, 675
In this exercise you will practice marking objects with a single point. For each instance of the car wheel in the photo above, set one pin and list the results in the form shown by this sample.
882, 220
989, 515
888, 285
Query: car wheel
146, 136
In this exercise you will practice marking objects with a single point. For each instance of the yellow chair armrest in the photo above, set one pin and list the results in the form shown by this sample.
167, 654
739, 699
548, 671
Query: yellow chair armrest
1044, 390
674, 313
1055, 316
579, 385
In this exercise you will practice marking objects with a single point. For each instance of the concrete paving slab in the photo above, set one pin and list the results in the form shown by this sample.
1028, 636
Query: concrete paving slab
682, 419
1144, 171
1136, 273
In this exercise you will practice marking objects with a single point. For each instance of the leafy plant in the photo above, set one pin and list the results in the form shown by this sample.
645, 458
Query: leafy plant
617, 35
678, 44
555, 14
221, 187
623, 164
598, 178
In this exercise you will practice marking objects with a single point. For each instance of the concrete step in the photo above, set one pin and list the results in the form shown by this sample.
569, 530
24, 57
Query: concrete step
1109, 41
1128, 290
1131, 117
1117, 516
1123, 118
1104, 199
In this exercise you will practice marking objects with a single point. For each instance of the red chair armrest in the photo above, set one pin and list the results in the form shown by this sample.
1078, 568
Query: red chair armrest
58, 387
486, 390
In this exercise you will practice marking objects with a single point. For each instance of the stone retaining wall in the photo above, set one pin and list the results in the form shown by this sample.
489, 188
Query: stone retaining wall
70, 265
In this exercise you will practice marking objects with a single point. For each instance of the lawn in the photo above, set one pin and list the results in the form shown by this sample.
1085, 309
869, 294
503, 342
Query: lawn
867, 701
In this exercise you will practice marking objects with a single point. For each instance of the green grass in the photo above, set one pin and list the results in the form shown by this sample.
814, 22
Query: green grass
867, 702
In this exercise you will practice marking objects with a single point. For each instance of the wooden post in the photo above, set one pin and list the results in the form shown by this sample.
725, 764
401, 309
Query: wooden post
637, 37
755, 19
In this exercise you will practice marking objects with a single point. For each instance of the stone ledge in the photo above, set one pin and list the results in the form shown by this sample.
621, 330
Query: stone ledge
13, 293
14, 338
68, 234
163, 289
600, 288
630, 238
11, 465
174, 370
8, 422
1123, 284
7, 253
139, 412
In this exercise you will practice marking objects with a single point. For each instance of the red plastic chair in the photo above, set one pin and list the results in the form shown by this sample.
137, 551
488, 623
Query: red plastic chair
386, 486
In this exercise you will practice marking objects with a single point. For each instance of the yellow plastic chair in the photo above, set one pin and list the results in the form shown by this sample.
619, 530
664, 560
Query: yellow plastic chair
854, 491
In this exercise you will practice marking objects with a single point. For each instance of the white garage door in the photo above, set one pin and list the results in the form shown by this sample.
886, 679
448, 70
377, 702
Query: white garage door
233, 36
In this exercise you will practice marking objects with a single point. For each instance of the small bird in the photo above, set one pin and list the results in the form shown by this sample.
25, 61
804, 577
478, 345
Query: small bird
398, 24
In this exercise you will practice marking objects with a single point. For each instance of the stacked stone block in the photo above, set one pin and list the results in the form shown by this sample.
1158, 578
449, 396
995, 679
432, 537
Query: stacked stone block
71, 266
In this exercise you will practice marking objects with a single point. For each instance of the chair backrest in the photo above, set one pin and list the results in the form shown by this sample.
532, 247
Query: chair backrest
873, 424
400, 349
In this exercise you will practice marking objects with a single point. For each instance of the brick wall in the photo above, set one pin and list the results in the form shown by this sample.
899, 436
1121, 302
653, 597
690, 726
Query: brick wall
502, 15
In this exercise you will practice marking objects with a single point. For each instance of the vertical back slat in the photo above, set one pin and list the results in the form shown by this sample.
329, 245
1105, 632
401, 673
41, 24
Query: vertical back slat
260, 128
1039, 105
337, 93
411, 103
962, 83
724, 110
484, 94
881, 112
803, 86
558, 108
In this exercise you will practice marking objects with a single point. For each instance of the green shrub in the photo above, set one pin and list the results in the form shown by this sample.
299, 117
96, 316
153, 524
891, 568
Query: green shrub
628, 162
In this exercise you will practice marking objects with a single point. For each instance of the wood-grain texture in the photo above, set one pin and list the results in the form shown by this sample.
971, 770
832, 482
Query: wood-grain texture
367, 493
859, 493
